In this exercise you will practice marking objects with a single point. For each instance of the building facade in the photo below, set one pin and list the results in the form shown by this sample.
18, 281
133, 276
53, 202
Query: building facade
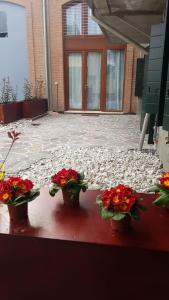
87, 72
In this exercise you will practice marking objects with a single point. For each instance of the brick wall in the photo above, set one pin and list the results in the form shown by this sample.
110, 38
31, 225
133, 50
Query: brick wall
35, 39
57, 65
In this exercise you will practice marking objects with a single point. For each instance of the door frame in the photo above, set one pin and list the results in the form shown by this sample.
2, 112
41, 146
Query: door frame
84, 54
91, 44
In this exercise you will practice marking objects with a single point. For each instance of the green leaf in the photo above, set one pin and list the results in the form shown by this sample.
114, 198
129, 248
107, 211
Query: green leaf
81, 176
154, 189
27, 197
162, 200
118, 216
163, 188
106, 214
135, 213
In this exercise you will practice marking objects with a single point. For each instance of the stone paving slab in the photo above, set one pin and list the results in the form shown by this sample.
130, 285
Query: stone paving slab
42, 137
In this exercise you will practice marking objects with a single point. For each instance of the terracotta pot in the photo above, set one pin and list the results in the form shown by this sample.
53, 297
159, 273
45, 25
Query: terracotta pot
123, 225
70, 199
18, 213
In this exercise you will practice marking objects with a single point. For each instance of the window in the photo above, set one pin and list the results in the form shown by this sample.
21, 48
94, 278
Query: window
73, 19
3, 25
78, 19
93, 27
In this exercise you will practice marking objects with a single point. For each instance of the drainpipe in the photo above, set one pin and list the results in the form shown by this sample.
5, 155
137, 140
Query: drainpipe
47, 54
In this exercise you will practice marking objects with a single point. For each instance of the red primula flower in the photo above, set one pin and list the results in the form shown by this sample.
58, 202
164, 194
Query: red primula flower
5, 186
64, 176
165, 182
25, 185
14, 181
120, 198
5, 196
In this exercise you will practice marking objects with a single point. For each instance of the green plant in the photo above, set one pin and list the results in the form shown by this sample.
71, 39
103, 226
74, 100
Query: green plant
27, 89
7, 92
119, 202
162, 189
68, 180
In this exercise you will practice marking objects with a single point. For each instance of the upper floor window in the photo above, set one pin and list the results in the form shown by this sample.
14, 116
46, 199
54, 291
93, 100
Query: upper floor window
73, 19
3, 25
78, 19
93, 27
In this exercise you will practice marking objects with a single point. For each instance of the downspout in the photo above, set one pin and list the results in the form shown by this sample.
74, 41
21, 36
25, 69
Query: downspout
47, 54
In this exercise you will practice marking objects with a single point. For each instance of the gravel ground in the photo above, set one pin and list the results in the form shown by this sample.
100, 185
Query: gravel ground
103, 168
100, 147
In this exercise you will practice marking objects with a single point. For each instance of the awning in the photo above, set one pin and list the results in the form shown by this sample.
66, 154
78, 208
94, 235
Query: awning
128, 20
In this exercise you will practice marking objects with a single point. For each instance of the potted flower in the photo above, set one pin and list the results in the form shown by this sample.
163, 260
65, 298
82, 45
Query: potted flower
34, 106
71, 183
162, 189
120, 204
16, 192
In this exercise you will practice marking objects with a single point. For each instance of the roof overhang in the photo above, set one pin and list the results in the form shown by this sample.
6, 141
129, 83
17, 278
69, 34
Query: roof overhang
128, 20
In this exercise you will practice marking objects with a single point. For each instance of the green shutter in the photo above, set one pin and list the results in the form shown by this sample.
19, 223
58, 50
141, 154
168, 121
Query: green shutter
166, 108
139, 77
151, 93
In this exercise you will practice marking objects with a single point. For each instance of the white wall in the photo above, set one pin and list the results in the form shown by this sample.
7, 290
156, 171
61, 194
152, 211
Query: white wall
13, 49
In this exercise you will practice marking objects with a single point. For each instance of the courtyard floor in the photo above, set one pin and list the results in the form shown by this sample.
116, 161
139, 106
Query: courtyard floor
101, 146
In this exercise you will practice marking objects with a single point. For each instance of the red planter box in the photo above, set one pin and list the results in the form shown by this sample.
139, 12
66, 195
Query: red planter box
10, 112
34, 108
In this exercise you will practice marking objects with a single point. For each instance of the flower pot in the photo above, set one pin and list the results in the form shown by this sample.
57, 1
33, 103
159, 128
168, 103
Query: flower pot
34, 108
18, 213
70, 199
123, 225
10, 112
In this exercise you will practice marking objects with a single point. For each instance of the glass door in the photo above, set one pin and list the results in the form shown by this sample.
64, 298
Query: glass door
115, 79
75, 80
93, 85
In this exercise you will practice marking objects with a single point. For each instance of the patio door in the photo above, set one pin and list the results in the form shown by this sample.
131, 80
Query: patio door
93, 80
84, 80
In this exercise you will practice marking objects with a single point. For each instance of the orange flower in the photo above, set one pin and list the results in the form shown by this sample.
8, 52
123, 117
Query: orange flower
4, 197
165, 182
166, 175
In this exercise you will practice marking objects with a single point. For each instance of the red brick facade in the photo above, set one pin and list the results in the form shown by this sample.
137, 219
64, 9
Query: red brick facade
35, 38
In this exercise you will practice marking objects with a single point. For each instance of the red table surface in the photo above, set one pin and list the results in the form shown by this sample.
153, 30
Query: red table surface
49, 218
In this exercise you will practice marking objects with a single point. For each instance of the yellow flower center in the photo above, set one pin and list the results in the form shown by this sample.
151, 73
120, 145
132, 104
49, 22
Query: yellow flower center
126, 200
166, 183
116, 199
5, 196
63, 181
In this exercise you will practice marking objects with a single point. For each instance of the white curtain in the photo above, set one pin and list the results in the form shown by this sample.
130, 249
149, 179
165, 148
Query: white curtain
93, 80
75, 80
115, 79
93, 27
73, 19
